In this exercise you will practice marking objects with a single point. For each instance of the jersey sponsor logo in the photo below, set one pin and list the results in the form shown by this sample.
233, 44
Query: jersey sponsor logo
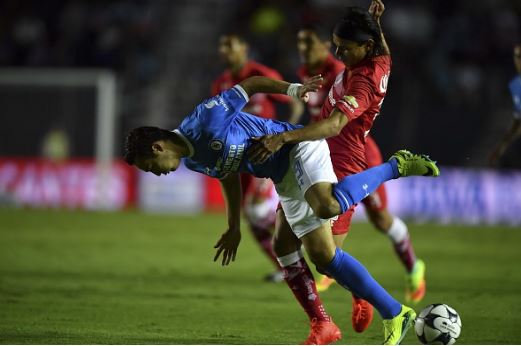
383, 82
234, 158
216, 144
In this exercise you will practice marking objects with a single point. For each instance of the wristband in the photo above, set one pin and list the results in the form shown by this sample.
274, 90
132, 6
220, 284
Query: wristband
293, 90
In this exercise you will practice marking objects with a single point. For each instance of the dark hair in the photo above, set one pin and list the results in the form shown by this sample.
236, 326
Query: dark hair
139, 142
358, 25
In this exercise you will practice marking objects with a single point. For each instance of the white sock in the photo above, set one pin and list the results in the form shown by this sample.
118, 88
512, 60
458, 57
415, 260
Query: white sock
398, 231
287, 260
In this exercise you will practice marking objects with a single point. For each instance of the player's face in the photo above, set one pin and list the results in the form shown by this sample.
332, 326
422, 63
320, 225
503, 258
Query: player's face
311, 49
232, 50
351, 52
159, 163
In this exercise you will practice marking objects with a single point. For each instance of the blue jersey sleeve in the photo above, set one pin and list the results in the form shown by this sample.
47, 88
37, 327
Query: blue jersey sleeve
515, 90
235, 97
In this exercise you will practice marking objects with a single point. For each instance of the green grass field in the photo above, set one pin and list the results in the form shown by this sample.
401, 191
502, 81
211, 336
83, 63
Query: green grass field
132, 278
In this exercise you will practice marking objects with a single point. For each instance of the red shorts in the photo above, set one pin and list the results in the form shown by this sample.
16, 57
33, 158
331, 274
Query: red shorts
376, 201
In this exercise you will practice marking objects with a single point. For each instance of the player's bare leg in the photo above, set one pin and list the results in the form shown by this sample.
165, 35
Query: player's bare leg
299, 278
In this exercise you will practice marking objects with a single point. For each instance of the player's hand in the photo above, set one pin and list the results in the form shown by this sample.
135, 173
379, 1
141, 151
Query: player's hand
311, 85
227, 245
263, 147
376, 9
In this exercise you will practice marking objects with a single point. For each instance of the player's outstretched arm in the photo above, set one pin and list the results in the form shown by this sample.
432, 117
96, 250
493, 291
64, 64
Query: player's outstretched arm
376, 9
259, 84
263, 147
229, 241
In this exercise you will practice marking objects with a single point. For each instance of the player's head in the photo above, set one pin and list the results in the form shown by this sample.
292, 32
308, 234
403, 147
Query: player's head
233, 49
517, 57
313, 43
152, 149
357, 36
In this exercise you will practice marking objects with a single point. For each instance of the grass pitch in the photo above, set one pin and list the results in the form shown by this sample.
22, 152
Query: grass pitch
131, 278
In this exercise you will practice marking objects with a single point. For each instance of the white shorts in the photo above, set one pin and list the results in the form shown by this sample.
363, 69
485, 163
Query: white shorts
309, 164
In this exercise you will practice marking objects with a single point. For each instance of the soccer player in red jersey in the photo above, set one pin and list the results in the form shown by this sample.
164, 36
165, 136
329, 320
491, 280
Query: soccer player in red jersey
313, 45
346, 117
259, 197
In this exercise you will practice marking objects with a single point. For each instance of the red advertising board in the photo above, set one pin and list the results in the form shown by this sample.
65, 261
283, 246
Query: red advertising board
75, 183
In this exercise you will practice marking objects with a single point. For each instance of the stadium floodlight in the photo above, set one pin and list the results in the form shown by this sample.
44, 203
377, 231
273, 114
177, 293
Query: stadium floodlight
104, 82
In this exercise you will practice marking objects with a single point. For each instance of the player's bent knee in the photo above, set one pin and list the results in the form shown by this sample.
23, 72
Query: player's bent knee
320, 257
326, 209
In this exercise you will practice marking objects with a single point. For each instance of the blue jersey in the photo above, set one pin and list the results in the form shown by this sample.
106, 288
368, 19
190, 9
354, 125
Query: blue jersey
218, 135
515, 90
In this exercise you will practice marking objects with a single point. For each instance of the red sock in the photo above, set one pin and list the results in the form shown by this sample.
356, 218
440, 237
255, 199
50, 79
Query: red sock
406, 253
300, 280
263, 237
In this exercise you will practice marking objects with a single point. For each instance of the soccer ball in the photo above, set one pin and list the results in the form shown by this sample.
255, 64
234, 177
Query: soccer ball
438, 324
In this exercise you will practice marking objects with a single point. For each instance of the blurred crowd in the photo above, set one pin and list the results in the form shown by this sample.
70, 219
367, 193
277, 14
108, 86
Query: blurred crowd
448, 93
118, 35
452, 61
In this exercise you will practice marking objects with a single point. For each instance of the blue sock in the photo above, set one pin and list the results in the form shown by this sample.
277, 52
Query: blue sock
354, 188
351, 274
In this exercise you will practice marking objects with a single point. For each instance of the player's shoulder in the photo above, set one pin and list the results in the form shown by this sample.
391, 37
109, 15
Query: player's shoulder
375, 70
375, 65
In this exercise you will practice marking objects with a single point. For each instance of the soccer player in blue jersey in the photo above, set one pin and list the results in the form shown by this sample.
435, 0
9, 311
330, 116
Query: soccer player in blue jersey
214, 140
515, 128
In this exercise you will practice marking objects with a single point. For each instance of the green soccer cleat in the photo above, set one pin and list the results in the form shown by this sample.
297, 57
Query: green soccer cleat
415, 283
396, 328
414, 164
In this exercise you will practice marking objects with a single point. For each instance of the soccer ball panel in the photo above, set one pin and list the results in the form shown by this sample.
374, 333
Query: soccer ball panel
431, 334
425, 311
440, 310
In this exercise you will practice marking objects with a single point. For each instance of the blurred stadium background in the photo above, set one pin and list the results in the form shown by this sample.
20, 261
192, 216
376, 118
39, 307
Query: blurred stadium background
75, 76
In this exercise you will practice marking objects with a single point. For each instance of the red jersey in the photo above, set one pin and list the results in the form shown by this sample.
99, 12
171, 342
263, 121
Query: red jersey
329, 70
358, 92
260, 104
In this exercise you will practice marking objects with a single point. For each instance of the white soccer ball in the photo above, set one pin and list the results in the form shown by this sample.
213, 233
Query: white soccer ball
438, 324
